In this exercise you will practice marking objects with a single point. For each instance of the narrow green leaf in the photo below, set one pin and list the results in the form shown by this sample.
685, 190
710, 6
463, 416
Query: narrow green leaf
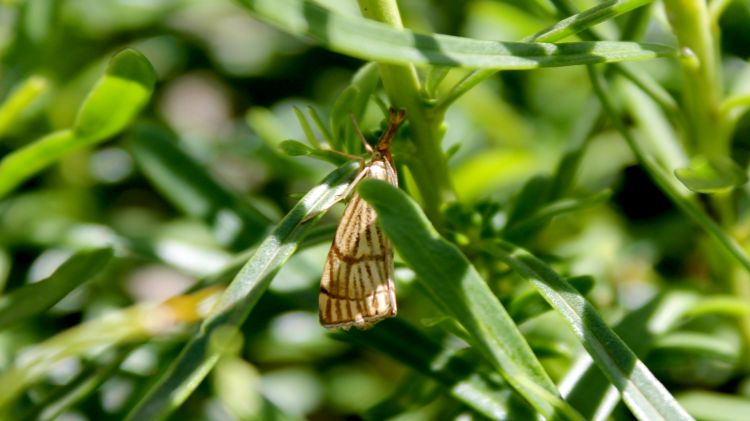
588, 18
131, 324
117, 97
319, 124
15, 105
271, 132
413, 390
586, 387
19, 165
522, 227
698, 345
456, 373
646, 397
115, 100
531, 304
189, 187
366, 80
363, 86
78, 389
434, 78
713, 406
720, 306
36, 298
305, 128
295, 148
196, 360
531, 197
457, 288
341, 123
711, 175
348, 34
554, 33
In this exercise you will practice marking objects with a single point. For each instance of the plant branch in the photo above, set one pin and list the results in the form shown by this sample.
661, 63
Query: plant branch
428, 165
692, 25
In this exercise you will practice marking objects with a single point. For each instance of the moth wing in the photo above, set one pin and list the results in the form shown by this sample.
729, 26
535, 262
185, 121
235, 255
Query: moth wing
357, 287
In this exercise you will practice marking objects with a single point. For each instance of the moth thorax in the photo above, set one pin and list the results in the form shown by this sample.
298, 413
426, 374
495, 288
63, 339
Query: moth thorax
382, 169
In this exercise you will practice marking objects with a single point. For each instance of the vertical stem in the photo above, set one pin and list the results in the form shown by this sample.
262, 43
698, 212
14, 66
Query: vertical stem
692, 25
429, 166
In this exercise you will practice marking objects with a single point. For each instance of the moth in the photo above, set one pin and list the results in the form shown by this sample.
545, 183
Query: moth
356, 288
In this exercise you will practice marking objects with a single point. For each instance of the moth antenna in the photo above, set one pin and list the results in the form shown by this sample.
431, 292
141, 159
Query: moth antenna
367, 146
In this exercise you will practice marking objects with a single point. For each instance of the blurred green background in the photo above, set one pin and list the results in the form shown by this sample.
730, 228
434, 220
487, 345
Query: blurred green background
226, 88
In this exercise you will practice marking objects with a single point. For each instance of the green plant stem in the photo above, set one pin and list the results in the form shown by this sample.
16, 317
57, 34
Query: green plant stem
709, 128
428, 166
691, 24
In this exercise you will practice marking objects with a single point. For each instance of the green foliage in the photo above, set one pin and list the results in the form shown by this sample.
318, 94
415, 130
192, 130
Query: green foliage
33, 299
235, 223
112, 104
347, 34
457, 289
193, 363
711, 176
570, 226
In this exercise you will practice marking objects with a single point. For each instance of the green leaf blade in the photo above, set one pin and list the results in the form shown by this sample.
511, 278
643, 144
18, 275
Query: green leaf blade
457, 374
711, 175
586, 387
33, 299
347, 35
20, 100
112, 104
190, 188
458, 289
19, 165
196, 360
588, 18
117, 97
642, 392
715, 406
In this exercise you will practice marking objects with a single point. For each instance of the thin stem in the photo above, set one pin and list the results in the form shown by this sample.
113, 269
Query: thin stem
429, 166
463, 86
691, 24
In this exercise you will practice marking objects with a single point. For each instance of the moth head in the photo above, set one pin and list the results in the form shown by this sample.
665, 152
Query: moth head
395, 119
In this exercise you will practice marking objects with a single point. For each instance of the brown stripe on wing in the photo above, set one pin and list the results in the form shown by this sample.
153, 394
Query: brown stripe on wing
366, 297
357, 283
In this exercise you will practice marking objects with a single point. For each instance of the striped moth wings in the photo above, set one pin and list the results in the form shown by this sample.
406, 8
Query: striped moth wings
356, 288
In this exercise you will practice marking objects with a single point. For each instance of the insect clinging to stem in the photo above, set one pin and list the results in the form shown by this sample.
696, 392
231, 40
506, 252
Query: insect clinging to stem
357, 287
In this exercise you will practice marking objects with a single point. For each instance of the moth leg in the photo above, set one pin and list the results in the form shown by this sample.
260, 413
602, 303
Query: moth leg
361, 136
347, 156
